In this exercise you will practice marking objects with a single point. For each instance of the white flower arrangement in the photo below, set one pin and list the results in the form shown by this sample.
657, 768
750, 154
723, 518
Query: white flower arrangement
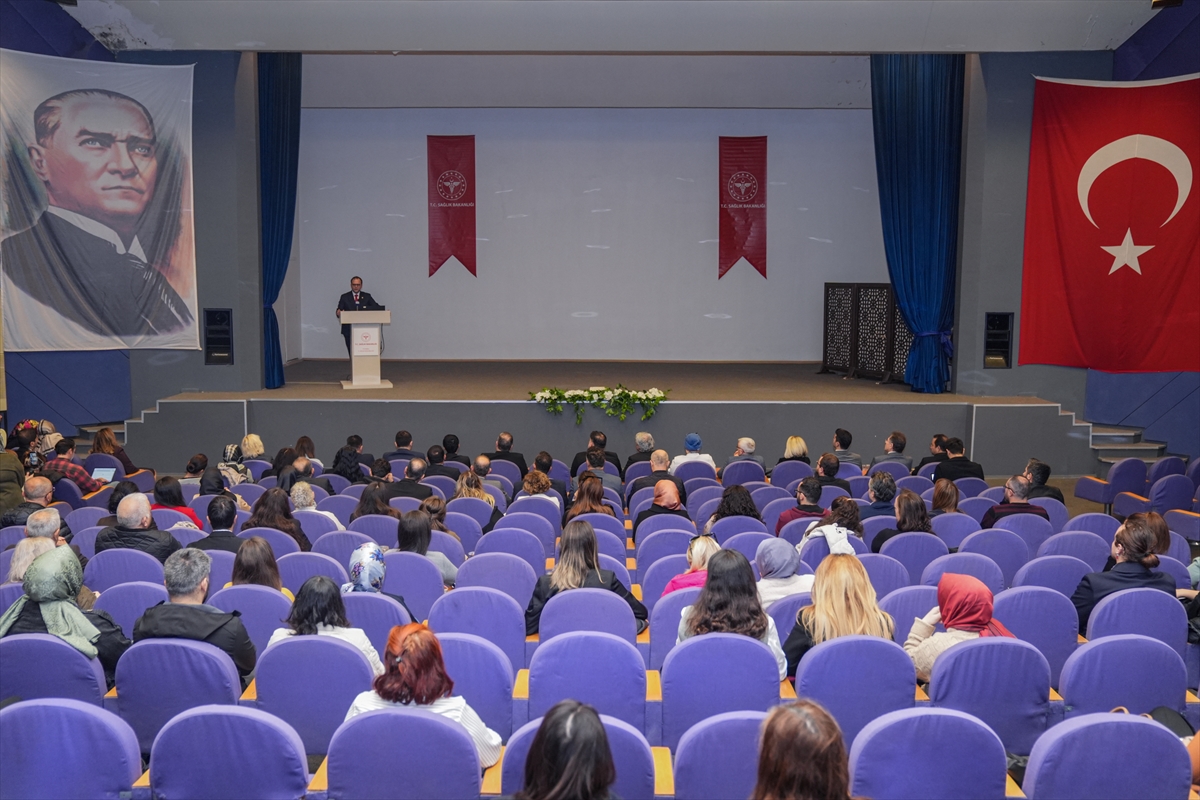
617, 401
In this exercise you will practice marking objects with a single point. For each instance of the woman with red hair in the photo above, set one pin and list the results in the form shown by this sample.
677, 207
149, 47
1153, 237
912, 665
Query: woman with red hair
965, 608
415, 675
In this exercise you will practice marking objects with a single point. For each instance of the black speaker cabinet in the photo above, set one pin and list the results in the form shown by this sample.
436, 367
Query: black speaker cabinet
218, 336
997, 340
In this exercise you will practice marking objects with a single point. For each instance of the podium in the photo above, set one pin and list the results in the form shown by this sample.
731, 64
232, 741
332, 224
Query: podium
365, 347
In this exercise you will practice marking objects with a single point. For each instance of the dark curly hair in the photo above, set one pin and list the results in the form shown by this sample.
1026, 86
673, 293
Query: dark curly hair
728, 603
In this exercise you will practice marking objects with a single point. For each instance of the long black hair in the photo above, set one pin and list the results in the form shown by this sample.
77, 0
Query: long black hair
728, 603
413, 532
569, 758
345, 463
736, 502
168, 492
319, 602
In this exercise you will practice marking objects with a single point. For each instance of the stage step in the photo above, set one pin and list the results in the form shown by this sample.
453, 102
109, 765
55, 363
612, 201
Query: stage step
83, 440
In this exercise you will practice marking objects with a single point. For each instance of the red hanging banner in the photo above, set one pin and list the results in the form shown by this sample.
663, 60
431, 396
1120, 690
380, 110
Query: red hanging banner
451, 200
743, 204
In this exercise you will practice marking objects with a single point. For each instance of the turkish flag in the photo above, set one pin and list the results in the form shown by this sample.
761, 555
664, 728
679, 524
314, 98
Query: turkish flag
1112, 227
451, 200
743, 203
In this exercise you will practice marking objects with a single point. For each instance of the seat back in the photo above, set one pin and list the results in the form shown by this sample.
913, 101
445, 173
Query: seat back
793, 532
296, 568
514, 541
1033, 529
743, 667
1102, 525
379, 527
376, 614
971, 487
468, 529
935, 753
873, 525
1042, 617
1060, 573
473, 507
1005, 548
728, 527
765, 495
1097, 676
856, 679
37, 665
772, 510
228, 752
1150, 612
995, 494
340, 505
415, 578
717, 758
587, 610
262, 610
665, 522
10, 536
441, 483
122, 565
972, 564
740, 472
702, 495
538, 525
503, 571
448, 545
1179, 550
1003, 682
599, 669
610, 544
618, 568
664, 623
1084, 545
1171, 493
80, 518
1176, 569
747, 543
914, 550
544, 509
907, 604
281, 543
125, 602
158, 679
220, 572
67, 491
487, 613
829, 494
886, 573
893, 468
604, 522
314, 523
1057, 511
974, 507
786, 472
952, 528
340, 545
694, 469
654, 579
482, 675
104, 757
638, 469
659, 545
784, 610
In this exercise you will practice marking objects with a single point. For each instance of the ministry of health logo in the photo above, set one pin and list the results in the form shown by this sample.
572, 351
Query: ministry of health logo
451, 185
742, 187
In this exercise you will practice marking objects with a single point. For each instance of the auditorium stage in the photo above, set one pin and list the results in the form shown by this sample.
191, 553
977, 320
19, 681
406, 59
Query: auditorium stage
722, 401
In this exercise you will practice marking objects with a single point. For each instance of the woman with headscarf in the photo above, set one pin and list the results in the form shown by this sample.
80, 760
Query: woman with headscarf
51, 585
212, 483
367, 570
666, 501
777, 562
965, 608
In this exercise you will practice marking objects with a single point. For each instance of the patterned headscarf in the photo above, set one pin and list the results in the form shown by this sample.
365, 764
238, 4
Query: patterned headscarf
366, 570
52, 581
232, 454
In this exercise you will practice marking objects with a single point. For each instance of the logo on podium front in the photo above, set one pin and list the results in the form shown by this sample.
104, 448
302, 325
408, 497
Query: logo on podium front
366, 342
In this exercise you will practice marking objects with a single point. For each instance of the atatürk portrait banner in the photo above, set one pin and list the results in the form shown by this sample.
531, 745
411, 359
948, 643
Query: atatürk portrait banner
451, 201
743, 204
96, 237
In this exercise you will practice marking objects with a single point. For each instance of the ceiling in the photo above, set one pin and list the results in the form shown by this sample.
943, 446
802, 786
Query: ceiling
614, 26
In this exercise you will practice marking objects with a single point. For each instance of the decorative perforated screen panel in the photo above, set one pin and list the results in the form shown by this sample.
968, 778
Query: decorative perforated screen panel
839, 322
902, 344
865, 336
873, 323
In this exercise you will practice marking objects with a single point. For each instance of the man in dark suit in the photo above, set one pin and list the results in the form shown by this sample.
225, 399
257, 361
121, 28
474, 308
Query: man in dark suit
660, 460
504, 443
957, 465
304, 472
827, 470
937, 452
542, 463
1038, 472
356, 441
403, 449
597, 439
409, 485
450, 442
436, 456
355, 300
1133, 550
222, 513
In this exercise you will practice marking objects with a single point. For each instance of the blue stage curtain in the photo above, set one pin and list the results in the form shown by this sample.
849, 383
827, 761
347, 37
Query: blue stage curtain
278, 155
917, 106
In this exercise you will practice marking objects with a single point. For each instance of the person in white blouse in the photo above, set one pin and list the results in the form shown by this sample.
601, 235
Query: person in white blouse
319, 611
416, 676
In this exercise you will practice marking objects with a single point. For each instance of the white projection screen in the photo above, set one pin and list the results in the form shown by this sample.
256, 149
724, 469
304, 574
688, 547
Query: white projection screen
597, 232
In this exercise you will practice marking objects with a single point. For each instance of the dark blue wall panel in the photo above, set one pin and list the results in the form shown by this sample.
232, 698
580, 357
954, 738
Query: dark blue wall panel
1165, 404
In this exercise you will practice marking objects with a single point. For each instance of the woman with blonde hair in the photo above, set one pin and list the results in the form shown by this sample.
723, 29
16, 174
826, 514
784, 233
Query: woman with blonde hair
843, 604
945, 498
699, 551
469, 484
795, 450
252, 446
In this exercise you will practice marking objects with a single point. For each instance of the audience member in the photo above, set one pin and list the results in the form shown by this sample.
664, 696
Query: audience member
956, 464
504, 452
881, 491
36, 494
374, 501
255, 565
12, 478
24, 445
911, 517
51, 582
1162, 537
1016, 501
414, 674
544, 462
777, 564
194, 469
744, 452
965, 609
24, 552
808, 499
319, 611
105, 441
410, 485
578, 567
168, 496
367, 571
841, 448
435, 507
47, 524
403, 449
1038, 472
346, 464
414, 533
699, 551
735, 502
306, 472
482, 467
304, 499
470, 485
305, 447
937, 452
644, 443
252, 447
119, 492
945, 497
589, 498
187, 616
1134, 550
135, 530
596, 439
837, 526
537, 484
569, 758
659, 463
450, 442
272, 510
728, 603
222, 515
283, 459
666, 501
843, 604
381, 471
63, 464
595, 461
691, 452
827, 471
893, 451
356, 441
802, 755
211, 483
796, 449
435, 458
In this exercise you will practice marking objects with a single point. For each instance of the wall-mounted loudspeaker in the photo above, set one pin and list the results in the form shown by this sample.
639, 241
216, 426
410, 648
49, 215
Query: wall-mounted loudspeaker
218, 336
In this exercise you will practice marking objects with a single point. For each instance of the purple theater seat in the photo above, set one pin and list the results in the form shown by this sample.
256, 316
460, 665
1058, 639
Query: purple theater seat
1084, 545
694, 469
199, 504
497, 493
599, 669
1176, 569
928, 470
664, 623
249, 492
221, 570
228, 753
546, 510
886, 574
262, 610
1137, 672
691, 485
415, 578
125, 602
339, 545
439, 760
315, 524
1127, 475
442, 483
1003, 682
915, 551
487, 613
187, 536
1005, 548
914, 483
973, 507
158, 679
618, 568
972, 564
705, 511
1149, 612
994, 493
376, 614
503, 571
79, 519
11, 535
85, 540
587, 610
764, 495
952, 528
448, 545
1088, 757
67, 491
907, 604
1056, 510
1044, 618
872, 526
740, 472
665, 522
341, 505
742, 669
848, 471
1060, 573
483, 675
281, 543
656, 577
111, 567
717, 758
631, 753
971, 487
747, 543
397, 466
859, 484
642, 497
467, 528
856, 679
404, 504
336, 482
638, 469
659, 545
1168, 465
793, 532
9, 593
37, 665
727, 528
1030, 527
784, 473
828, 493
1179, 550
893, 468
771, 511
104, 756
99, 498
166, 518
784, 610
700, 496
536, 524
296, 568
1102, 525
928, 753
309, 682
257, 467
516, 542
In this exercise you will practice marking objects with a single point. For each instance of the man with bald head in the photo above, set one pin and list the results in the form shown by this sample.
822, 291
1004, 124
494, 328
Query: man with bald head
659, 463
96, 153
135, 530
38, 493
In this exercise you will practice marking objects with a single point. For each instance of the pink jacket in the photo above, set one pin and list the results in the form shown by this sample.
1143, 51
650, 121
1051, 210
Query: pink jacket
686, 580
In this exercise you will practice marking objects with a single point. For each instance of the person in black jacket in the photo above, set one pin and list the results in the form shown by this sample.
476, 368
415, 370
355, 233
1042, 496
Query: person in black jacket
827, 473
36, 494
957, 465
578, 567
504, 452
1038, 472
187, 616
355, 300
135, 530
597, 439
1133, 548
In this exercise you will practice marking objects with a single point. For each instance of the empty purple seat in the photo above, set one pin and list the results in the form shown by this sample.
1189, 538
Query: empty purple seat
664, 623
1044, 618
847, 471
1056, 510
638, 469
618, 568
611, 545
914, 483
915, 551
517, 542
536, 524
503, 571
928, 753
1185, 523
544, 509
974, 507
104, 759
415, 578
1149, 612
336, 482
441, 483
784, 473
665, 522
725, 529
1169, 493
740, 472
1060, 573
380, 527
1176, 569
448, 545
106, 569
314, 523
37, 665
125, 602
10, 536
705, 511
1005, 548
67, 491
995, 494
221, 570
339, 545
658, 545
158, 679
78, 519
794, 531
1088, 757
828, 493
257, 467
971, 487
765, 495
856, 679
747, 543
743, 668
973, 564
466, 527
783, 611
483, 675
1033, 529
771, 511
886, 574
587, 610
227, 753
893, 468
404, 504
700, 496
376, 614
1127, 475
249, 492
907, 604
656, 577
599, 669
262, 610
952, 528
1084, 545
603, 522
717, 758
281, 543
1099, 676
296, 568
487, 613
479, 510
1102, 525
342, 505
694, 469
1179, 550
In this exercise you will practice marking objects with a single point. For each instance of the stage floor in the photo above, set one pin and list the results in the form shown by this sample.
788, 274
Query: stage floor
513, 380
